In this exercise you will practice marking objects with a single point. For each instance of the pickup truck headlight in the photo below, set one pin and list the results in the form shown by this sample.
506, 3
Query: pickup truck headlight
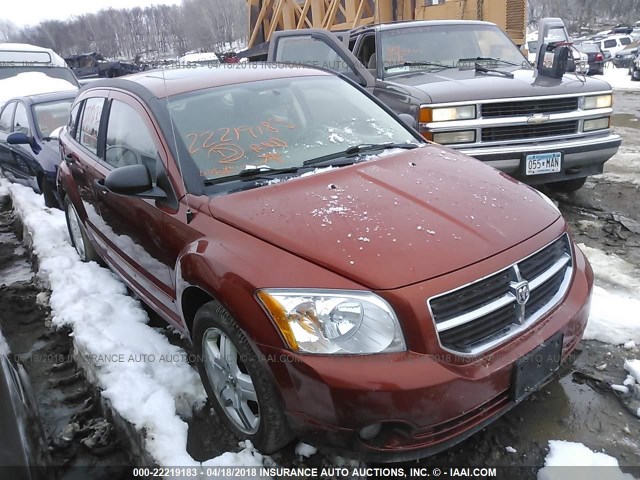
445, 114
595, 124
333, 322
598, 101
462, 136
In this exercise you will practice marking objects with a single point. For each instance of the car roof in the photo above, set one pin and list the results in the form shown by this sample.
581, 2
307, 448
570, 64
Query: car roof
425, 23
45, 97
16, 48
173, 81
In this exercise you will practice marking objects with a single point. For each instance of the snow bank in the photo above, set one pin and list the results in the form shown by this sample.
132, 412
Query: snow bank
571, 454
615, 312
147, 380
618, 79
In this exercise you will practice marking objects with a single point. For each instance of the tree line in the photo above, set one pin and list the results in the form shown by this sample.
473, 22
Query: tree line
157, 31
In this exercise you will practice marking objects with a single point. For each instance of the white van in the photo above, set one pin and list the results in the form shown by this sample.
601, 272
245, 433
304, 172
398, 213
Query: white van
614, 44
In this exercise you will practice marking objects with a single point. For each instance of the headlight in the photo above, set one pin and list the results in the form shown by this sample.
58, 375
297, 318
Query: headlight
339, 322
598, 101
595, 124
445, 114
463, 136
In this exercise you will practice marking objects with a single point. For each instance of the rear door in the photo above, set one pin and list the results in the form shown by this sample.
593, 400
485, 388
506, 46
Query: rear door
6, 125
25, 164
318, 48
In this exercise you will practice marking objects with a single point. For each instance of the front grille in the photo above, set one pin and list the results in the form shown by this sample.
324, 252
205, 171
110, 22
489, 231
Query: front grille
521, 132
530, 107
476, 316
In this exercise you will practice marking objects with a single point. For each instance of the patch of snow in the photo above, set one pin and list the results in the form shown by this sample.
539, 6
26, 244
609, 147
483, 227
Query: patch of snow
4, 346
633, 367
114, 342
305, 450
630, 345
572, 454
618, 79
511, 449
614, 318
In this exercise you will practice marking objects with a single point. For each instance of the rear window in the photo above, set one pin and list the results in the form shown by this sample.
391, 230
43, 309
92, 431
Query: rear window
589, 48
53, 72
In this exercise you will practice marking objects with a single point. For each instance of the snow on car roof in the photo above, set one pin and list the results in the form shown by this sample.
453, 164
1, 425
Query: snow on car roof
31, 83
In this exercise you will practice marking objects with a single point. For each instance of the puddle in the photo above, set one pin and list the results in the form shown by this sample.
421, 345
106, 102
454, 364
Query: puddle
628, 120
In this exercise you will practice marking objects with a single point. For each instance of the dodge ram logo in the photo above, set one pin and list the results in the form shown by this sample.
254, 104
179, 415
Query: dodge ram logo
538, 118
521, 291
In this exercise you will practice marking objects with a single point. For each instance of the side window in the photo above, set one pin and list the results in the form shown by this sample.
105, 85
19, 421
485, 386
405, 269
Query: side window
609, 43
625, 41
306, 50
367, 52
73, 120
90, 124
128, 139
5, 118
21, 120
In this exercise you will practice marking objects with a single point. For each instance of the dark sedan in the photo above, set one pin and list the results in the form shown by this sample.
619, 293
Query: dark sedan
595, 57
624, 58
29, 152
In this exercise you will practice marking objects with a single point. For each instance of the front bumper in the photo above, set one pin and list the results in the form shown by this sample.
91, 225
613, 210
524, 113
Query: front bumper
581, 157
426, 400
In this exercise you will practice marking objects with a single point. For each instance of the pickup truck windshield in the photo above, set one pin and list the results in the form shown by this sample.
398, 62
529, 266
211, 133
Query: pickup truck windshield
279, 123
426, 47
53, 72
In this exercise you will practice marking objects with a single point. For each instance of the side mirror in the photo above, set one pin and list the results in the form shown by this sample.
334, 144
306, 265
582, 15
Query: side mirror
133, 180
19, 138
408, 120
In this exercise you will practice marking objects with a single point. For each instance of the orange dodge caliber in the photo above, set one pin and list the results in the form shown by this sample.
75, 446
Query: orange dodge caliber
340, 279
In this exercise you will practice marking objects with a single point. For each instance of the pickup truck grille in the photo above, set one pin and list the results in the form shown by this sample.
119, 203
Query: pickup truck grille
519, 132
477, 316
514, 109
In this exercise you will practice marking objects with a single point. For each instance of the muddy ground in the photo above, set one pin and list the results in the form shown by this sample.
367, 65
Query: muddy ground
603, 214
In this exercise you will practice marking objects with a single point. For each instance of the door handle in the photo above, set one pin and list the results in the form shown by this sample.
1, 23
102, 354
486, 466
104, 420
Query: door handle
70, 158
100, 186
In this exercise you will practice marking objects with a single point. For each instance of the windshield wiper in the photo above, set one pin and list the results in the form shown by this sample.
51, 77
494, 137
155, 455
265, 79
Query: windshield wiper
250, 173
418, 64
481, 69
485, 59
356, 150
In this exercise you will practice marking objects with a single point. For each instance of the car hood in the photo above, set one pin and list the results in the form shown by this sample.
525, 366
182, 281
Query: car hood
454, 85
393, 221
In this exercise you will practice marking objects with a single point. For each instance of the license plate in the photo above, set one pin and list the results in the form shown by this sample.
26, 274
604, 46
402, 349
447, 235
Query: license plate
535, 367
540, 163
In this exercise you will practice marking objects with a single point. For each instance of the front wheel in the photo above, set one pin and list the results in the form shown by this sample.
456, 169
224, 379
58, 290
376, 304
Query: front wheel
237, 382
568, 186
79, 238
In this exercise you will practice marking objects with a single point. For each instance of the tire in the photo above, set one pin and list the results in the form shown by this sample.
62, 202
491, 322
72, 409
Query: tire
78, 236
568, 186
50, 199
237, 382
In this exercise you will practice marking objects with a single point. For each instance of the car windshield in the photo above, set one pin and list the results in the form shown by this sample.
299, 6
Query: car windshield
279, 123
447, 45
53, 72
51, 115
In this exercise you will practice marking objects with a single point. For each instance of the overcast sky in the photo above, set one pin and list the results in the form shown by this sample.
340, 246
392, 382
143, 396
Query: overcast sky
32, 12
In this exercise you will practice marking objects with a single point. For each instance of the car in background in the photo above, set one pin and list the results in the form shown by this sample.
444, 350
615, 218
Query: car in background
29, 152
635, 68
613, 44
623, 58
338, 276
23, 449
595, 57
28, 70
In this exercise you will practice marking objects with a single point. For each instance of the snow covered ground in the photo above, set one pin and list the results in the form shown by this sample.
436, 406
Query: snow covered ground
112, 336
618, 79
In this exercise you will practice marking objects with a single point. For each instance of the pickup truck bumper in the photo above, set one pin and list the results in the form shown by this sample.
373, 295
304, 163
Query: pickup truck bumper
581, 157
